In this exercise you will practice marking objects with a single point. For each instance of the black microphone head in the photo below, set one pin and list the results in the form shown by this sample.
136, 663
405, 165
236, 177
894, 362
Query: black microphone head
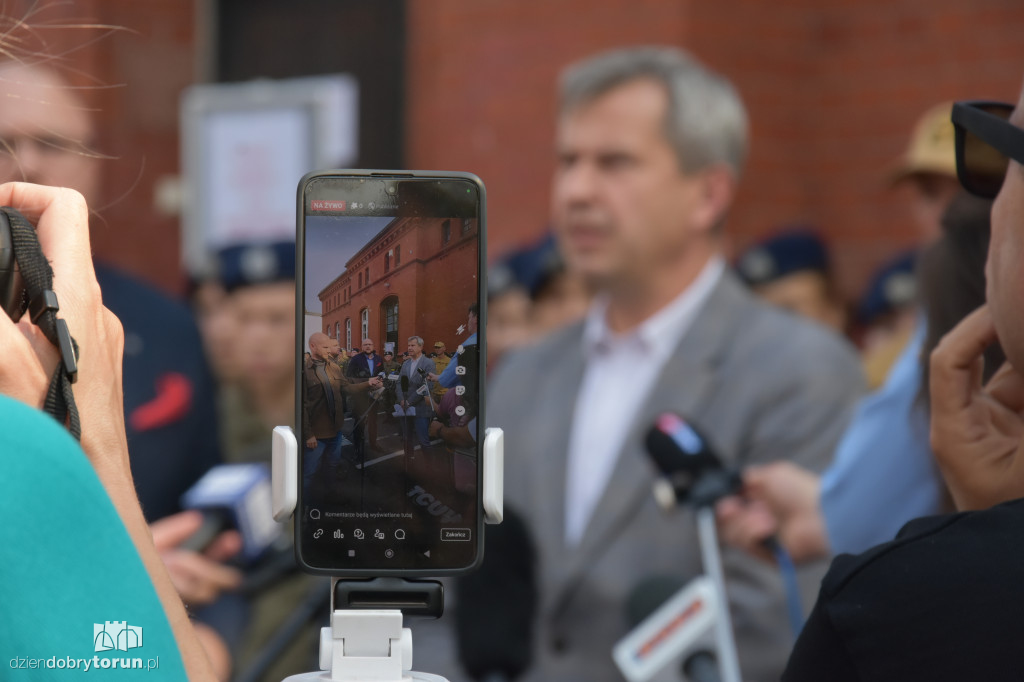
405, 383
496, 605
422, 371
676, 446
649, 594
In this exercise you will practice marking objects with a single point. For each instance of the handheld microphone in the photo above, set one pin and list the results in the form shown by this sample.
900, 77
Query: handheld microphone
379, 391
497, 604
234, 496
672, 622
691, 470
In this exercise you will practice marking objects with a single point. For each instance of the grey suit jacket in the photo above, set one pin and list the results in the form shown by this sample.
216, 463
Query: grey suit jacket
759, 383
410, 369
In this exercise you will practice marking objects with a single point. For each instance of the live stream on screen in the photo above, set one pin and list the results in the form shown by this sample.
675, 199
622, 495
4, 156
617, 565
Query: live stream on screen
383, 492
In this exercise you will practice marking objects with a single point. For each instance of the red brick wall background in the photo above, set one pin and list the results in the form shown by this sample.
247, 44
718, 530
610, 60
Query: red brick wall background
833, 89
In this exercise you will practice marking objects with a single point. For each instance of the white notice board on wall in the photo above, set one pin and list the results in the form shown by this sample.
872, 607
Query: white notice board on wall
244, 148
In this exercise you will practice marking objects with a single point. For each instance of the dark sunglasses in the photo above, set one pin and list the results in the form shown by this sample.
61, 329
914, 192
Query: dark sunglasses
985, 142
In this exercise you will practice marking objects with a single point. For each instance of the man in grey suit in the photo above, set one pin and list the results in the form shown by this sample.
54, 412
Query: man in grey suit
650, 146
416, 369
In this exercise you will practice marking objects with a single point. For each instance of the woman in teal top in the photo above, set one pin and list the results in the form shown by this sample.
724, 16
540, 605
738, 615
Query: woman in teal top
71, 565
83, 585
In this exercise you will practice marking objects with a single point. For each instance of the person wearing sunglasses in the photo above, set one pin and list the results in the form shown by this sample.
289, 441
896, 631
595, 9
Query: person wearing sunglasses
943, 600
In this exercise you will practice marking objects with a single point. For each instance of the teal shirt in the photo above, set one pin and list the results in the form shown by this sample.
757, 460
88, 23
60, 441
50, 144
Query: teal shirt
69, 566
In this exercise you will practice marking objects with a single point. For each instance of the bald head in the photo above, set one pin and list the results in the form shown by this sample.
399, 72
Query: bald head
45, 131
319, 346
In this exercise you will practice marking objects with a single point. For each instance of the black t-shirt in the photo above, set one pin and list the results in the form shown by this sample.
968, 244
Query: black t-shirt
943, 601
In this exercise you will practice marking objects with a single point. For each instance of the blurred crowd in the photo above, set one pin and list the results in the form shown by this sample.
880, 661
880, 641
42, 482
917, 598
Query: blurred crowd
630, 306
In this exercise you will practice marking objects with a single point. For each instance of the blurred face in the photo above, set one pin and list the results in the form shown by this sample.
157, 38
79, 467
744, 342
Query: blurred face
931, 194
1005, 267
414, 349
623, 209
388, 357
218, 325
45, 132
439, 349
335, 350
368, 346
266, 332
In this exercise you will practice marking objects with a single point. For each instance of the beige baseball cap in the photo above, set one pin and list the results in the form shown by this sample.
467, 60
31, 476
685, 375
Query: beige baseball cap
931, 148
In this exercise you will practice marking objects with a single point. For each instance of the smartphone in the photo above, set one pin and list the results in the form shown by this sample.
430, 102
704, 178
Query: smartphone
390, 267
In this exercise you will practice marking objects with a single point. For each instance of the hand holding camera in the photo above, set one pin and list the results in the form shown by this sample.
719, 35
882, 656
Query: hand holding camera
30, 359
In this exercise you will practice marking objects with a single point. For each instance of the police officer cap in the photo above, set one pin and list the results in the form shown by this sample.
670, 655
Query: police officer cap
530, 268
793, 250
893, 286
244, 265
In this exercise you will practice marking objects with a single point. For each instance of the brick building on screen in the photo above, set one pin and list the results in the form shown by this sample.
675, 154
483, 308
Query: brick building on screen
416, 277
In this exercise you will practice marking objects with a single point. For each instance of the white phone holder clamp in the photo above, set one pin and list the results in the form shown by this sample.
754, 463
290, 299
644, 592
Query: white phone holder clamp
370, 644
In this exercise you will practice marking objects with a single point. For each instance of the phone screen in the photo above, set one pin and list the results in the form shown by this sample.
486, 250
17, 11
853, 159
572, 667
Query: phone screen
390, 374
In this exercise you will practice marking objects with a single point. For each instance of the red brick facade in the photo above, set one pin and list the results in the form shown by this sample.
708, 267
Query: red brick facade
424, 266
833, 89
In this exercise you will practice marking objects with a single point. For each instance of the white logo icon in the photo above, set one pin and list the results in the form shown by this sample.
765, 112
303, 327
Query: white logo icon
116, 635
460, 390
460, 410
338, 535
460, 370
379, 534
358, 534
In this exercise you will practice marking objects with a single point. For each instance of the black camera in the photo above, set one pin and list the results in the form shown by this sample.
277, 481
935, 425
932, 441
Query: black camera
12, 288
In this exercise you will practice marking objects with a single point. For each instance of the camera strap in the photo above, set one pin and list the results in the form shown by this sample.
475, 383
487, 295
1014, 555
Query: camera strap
41, 303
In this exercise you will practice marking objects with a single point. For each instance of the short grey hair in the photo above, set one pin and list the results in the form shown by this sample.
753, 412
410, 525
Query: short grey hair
417, 339
705, 122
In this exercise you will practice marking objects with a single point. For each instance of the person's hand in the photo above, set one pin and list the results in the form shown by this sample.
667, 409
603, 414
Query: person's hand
779, 499
977, 432
311, 442
29, 360
375, 382
432, 376
198, 577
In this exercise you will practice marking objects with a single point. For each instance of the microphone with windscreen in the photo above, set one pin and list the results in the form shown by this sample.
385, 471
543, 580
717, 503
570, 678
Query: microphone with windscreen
496, 605
691, 471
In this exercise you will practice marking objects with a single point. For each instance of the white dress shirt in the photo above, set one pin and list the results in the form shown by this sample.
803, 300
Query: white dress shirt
619, 374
